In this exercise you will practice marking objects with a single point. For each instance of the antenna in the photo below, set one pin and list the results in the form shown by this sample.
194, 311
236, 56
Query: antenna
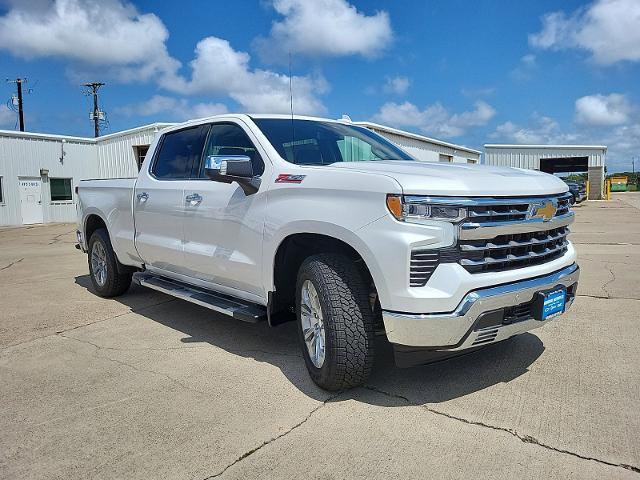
293, 129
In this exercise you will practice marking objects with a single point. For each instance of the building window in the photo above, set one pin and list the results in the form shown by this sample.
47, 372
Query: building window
1, 192
60, 189
445, 158
471, 160
140, 151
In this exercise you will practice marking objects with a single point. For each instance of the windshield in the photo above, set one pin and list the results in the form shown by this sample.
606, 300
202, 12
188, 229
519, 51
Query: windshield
311, 142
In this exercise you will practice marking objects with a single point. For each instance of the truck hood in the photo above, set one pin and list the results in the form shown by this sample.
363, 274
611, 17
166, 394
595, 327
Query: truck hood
426, 178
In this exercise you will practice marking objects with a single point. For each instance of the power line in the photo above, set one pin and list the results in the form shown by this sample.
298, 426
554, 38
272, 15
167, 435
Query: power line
96, 115
19, 81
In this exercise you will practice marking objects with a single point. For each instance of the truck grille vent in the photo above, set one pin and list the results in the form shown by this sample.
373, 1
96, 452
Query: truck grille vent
485, 336
507, 252
422, 265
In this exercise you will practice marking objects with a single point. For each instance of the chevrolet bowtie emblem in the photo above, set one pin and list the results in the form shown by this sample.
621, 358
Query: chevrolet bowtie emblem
545, 210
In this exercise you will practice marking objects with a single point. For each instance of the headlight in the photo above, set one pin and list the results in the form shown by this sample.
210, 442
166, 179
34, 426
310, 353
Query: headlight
417, 208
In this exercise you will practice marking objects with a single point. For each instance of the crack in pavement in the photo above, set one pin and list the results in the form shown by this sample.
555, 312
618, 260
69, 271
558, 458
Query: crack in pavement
173, 380
273, 439
12, 264
512, 432
56, 238
7, 347
613, 278
599, 297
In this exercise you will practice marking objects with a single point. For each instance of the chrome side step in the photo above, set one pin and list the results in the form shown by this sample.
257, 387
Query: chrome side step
238, 309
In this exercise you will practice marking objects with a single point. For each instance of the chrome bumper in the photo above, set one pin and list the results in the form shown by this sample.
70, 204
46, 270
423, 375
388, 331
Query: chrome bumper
455, 330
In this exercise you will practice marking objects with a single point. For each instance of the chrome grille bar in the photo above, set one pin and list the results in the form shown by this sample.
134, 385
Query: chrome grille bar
514, 258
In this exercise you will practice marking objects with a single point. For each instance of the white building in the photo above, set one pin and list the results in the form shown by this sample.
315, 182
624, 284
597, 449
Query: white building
425, 148
39, 172
588, 159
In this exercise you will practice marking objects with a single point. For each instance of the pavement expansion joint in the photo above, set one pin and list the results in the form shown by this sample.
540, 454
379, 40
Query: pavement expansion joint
273, 439
514, 433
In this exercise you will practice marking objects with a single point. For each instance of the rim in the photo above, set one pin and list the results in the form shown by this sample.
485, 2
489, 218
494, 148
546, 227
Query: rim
99, 264
312, 323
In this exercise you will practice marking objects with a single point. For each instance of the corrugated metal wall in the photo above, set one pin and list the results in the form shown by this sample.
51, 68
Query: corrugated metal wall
530, 157
22, 155
426, 151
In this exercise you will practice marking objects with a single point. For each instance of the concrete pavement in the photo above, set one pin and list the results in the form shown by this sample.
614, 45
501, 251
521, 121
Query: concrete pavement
145, 386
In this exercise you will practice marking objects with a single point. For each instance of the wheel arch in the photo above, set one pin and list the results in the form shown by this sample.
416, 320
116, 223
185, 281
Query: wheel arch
294, 247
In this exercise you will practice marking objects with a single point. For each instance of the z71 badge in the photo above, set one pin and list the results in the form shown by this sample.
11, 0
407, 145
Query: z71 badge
288, 178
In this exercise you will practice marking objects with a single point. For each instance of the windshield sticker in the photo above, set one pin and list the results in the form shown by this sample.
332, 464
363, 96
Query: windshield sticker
288, 178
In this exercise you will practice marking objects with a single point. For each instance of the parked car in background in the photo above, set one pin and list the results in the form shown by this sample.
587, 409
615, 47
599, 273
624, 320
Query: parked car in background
263, 216
578, 191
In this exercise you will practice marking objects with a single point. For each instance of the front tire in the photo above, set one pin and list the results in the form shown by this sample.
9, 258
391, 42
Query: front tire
106, 277
335, 321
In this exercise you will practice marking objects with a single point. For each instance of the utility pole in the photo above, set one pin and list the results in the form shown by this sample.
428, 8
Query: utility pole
96, 115
19, 82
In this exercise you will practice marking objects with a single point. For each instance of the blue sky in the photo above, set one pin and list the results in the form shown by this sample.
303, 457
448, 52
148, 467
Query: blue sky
467, 72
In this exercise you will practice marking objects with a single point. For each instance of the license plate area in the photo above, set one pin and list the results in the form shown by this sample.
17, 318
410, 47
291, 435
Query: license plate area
549, 303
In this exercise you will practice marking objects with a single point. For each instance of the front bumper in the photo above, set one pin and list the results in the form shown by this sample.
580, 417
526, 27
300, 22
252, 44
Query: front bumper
467, 326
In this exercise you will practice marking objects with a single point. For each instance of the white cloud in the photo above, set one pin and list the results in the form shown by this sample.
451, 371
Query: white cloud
525, 69
174, 109
7, 117
397, 85
108, 32
325, 28
541, 130
608, 29
613, 109
435, 119
113, 38
219, 69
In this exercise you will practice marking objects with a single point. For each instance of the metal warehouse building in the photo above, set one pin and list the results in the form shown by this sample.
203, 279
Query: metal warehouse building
588, 159
425, 148
38, 172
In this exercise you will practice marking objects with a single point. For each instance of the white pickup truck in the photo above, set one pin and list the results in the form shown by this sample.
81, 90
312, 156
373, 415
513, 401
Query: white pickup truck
258, 215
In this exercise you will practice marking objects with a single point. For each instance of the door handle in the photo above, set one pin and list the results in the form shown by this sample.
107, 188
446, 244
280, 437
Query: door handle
193, 199
142, 197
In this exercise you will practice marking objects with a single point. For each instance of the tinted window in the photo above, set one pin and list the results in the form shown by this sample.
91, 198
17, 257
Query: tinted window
179, 152
231, 139
60, 189
310, 142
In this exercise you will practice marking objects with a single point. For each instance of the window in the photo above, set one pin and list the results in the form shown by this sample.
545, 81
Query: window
179, 152
231, 139
309, 142
60, 189
471, 160
445, 158
140, 152
1, 192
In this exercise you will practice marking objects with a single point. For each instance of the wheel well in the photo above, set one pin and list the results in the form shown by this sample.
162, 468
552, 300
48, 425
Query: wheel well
293, 251
93, 223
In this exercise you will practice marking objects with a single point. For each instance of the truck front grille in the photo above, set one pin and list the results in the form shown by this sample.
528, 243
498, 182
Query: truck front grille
512, 209
500, 234
507, 252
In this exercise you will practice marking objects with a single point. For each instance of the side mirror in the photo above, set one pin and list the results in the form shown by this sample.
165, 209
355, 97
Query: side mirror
232, 168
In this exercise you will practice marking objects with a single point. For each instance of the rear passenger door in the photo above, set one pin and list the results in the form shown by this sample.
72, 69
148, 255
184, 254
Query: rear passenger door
158, 199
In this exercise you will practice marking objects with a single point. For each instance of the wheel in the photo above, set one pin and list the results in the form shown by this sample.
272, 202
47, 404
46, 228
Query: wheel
107, 280
335, 321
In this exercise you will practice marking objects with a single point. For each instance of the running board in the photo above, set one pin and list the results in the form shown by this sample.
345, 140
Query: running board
234, 307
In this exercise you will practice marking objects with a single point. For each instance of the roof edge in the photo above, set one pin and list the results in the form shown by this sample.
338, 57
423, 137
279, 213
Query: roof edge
574, 147
90, 140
